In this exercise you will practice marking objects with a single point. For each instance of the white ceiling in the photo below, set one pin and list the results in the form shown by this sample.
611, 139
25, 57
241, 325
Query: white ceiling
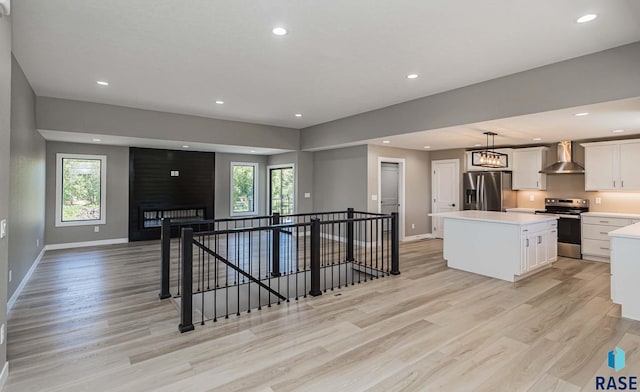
341, 57
550, 127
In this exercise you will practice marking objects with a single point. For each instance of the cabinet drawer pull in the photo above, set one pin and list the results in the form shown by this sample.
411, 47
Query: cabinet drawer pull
524, 230
604, 221
602, 247
553, 231
604, 232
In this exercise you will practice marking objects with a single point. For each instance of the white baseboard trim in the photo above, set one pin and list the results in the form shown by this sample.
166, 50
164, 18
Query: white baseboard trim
418, 237
16, 294
4, 375
83, 244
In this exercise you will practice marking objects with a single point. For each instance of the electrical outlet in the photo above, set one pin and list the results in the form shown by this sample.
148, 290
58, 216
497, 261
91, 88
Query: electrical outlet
413, 225
10, 276
2, 334
598, 200
374, 197
3, 228
531, 197
96, 229
37, 243
307, 195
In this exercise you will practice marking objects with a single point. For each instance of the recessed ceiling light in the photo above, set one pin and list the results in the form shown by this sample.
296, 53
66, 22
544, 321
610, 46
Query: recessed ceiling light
537, 139
95, 139
102, 83
586, 18
426, 147
298, 114
386, 141
582, 114
220, 102
618, 131
252, 151
185, 146
412, 76
279, 31
477, 145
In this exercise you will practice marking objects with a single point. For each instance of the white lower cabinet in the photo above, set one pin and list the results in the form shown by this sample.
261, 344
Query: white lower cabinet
539, 247
596, 244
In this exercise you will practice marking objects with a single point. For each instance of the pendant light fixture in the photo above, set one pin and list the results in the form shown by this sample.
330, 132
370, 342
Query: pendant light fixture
489, 157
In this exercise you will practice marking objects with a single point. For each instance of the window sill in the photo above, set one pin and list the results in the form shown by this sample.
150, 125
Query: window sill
81, 223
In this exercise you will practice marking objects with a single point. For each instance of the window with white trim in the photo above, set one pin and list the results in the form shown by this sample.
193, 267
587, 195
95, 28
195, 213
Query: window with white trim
80, 189
244, 188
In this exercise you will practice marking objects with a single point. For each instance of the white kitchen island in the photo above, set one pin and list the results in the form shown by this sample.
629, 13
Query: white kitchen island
501, 245
625, 270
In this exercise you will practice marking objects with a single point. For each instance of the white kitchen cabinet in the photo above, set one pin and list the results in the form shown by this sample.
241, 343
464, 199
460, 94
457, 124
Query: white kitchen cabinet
470, 167
596, 244
612, 165
527, 163
539, 248
629, 165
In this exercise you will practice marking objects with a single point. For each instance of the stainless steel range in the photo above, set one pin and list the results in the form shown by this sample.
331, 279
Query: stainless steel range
569, 223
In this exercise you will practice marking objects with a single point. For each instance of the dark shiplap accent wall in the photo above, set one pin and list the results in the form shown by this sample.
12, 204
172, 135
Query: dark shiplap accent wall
152, 186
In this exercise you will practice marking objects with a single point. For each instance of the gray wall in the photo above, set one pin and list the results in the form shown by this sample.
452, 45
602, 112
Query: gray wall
417, 186
223, 182
340, 179
87, 117
5, 143
303, 162
26, 212
612, 74
117, 217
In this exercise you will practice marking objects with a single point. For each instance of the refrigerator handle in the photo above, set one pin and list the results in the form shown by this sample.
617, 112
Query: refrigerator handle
478, 192
484, 195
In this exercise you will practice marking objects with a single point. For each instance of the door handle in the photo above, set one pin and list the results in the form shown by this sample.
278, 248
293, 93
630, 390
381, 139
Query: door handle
452, 205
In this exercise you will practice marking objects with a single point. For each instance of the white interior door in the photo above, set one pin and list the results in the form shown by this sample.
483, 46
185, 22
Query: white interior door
445, 189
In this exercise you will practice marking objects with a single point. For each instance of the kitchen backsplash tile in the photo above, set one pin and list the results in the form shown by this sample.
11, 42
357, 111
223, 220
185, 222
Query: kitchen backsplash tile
572, 186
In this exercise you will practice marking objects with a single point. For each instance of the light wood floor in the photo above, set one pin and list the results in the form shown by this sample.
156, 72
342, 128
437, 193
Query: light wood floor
90, 320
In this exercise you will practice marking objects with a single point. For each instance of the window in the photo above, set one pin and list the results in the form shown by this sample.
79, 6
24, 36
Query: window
244, 185
80, 189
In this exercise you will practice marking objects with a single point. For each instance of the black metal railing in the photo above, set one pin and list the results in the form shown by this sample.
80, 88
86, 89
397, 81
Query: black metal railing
232, 266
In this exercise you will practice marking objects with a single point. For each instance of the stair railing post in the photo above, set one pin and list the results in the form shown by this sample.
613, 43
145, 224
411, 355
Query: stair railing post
395, 244
165, 258
275, 247
186, 308
350, 215
315, 258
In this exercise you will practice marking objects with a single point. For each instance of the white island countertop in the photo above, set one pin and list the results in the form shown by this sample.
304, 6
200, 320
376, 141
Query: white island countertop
496, 217
631, 231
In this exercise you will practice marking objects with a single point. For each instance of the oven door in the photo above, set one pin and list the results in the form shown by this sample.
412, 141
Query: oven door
569, 229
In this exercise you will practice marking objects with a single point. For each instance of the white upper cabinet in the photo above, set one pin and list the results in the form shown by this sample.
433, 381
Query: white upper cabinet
527, 163
630, 166
612, 165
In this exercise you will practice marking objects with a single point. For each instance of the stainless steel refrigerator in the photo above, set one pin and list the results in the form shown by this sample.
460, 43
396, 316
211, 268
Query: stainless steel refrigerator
488, 191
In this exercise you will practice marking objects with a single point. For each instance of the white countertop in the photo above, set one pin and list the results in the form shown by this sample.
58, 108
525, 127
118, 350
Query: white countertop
631, 231
496, 217
523, 209
612, 215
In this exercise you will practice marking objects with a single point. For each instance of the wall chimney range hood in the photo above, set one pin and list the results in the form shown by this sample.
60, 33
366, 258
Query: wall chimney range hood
565, 164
